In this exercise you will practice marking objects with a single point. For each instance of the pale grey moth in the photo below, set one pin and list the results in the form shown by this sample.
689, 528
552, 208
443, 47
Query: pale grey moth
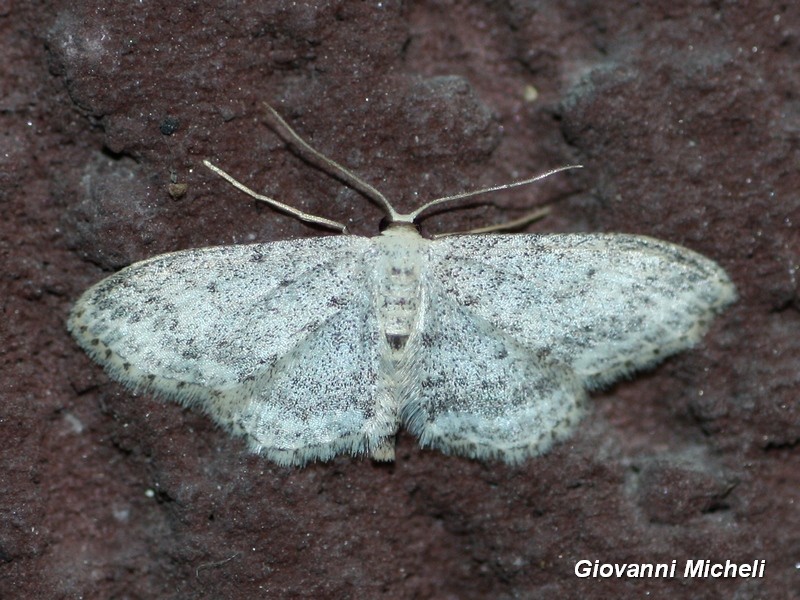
480, 345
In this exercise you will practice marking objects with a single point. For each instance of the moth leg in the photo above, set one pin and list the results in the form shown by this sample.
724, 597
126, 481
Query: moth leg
531, 217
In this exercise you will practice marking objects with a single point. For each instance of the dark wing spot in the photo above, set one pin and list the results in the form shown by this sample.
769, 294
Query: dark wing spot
396, 342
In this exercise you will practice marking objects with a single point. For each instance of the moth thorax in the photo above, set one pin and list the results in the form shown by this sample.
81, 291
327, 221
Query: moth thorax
398, 291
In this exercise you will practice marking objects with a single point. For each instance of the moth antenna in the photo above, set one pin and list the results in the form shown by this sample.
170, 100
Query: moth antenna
495, 188
330, 166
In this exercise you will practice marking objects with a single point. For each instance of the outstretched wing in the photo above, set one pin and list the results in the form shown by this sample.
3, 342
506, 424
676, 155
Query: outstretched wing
515, 327
274, 341
602, 304
474, 390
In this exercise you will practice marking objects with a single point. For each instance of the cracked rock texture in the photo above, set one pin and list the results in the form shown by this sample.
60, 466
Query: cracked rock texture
687, 118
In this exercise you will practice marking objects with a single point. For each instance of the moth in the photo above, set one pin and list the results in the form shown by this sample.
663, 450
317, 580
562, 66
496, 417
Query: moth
481, 345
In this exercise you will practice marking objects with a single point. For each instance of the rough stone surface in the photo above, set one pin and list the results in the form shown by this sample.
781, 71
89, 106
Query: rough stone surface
687, 118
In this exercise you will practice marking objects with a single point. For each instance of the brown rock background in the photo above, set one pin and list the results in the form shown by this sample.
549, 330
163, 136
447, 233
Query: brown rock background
688, 121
